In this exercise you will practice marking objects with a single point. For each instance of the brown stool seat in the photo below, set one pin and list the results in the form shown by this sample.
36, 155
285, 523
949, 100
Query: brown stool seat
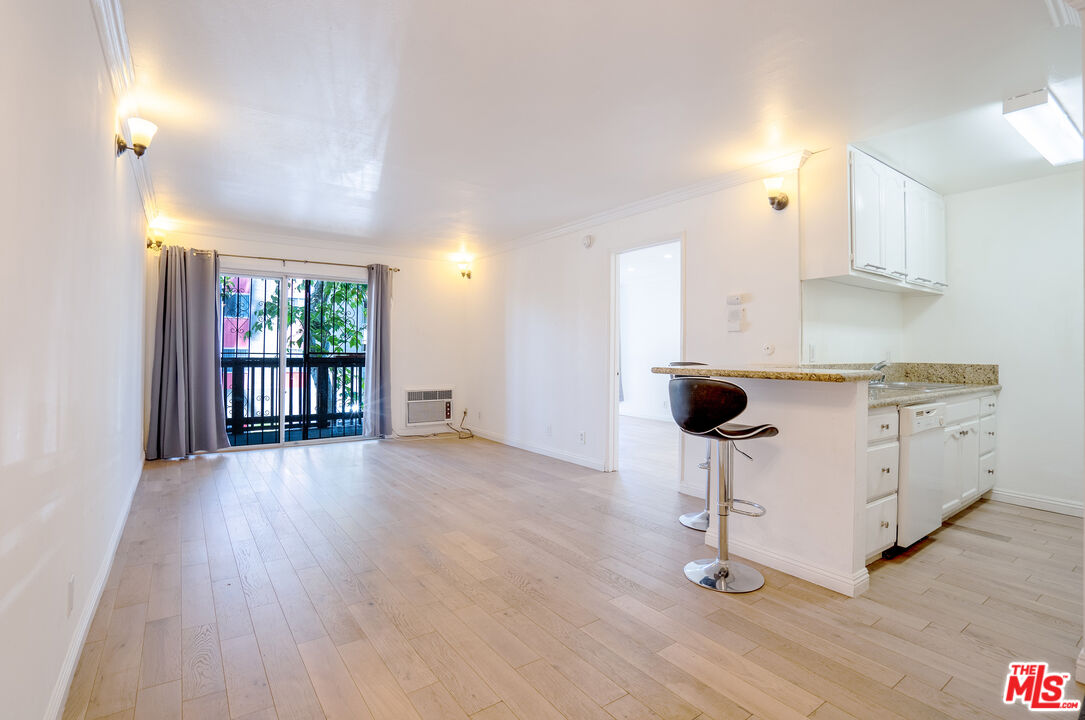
734, 431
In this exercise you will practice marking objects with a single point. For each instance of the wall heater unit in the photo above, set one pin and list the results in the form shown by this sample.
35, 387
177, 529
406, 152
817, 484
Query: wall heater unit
427, 407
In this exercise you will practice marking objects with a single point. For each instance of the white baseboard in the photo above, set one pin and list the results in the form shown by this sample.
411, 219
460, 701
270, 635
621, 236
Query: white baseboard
59, 696
581, 460
851, 585
1039, 502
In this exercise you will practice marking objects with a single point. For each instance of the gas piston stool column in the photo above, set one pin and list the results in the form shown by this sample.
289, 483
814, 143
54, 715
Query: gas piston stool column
703, 407
699, 520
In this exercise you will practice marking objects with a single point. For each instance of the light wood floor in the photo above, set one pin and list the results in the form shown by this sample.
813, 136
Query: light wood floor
452, 579
648, 447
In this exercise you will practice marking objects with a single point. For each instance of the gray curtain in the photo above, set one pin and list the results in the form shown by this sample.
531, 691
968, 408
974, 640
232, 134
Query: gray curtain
187, 413
378, 405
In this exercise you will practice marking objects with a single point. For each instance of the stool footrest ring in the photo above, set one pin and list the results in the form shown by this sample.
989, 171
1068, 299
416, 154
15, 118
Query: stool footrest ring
758, 510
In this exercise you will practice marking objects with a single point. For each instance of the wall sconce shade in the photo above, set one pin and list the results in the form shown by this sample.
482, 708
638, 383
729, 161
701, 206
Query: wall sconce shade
142, 132
463, 261
777, 197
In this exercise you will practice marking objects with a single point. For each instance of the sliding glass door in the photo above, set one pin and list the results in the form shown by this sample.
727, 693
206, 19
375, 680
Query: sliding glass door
304, 383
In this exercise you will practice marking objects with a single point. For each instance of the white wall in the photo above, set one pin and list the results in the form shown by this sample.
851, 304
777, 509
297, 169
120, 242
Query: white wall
1015, 299
71, 269
651, 326
848, 324
429, 346
541, 314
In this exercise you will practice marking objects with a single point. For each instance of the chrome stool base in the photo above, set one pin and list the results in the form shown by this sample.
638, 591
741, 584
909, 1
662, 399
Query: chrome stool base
724, 576
695, 520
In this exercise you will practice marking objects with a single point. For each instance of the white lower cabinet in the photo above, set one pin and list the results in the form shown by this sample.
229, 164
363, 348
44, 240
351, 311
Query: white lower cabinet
881, 525
968, 456
968, 453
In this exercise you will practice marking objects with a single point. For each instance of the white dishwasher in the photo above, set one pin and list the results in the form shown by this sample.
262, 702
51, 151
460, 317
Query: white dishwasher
919, 492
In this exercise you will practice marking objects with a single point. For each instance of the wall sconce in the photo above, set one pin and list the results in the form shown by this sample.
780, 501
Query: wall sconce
777, 197
155, 239
463, 261
141, 131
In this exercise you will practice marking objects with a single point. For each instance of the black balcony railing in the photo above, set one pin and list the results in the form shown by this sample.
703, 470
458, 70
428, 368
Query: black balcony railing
324, 398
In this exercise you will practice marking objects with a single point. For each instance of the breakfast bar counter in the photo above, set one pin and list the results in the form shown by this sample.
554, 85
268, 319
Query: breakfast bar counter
811, 478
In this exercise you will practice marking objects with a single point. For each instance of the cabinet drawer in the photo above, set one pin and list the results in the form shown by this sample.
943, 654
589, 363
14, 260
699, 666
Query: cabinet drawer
881, 470
988, 472
881, 525
962, 411
881, 425
988, 433
988, 404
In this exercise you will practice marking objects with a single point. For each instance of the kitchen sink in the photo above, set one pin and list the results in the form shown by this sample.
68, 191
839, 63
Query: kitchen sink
915, 386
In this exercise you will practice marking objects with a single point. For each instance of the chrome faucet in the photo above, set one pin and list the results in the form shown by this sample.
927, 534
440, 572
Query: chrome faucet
879, 367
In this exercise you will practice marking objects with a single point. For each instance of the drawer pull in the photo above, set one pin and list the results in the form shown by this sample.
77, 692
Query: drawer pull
885, 426
962, 433
990, 432
926, 280
990, 471
885, 523
941, 284
990, 405
886, 470
872, 265
898, 273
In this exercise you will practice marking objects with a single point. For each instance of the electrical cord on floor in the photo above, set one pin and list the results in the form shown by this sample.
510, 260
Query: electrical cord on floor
460, 432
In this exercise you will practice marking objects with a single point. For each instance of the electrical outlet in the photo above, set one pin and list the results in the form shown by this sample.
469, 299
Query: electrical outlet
583, 437
71, 594
549, 431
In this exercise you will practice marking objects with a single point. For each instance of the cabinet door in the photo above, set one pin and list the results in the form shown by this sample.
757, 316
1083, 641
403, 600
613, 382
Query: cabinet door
893, 223
936, 240
916, 225
987, 471
866, 214
970, 461
951, 470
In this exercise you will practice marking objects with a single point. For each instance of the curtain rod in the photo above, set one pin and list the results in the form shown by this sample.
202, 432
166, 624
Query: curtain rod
308, 262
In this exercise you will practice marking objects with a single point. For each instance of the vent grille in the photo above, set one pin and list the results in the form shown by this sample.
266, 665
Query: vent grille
426, 407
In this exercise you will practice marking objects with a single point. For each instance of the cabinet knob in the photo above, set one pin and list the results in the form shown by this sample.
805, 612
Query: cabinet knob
990, 471
885, 523
990, 432
886, 470
962, 433
885, 426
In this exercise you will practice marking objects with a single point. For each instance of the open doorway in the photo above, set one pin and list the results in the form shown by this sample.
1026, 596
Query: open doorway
649, 333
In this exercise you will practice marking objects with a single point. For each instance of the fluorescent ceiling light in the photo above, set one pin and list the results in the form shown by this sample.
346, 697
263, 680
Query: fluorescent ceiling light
1042, 120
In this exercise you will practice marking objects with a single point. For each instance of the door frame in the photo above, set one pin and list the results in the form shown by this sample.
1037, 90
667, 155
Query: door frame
610, 463
283, 274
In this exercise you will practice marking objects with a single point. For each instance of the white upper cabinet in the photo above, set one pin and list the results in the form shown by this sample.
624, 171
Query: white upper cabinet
925, 231
878, 218
890, 234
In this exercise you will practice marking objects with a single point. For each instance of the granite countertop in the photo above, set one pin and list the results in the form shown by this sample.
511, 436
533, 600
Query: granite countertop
809, 374
889, 397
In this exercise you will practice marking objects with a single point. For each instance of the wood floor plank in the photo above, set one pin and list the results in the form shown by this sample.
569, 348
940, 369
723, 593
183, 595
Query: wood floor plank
161, 655
465, 685
434, 702
246, 682
383, 695
290, 685
396, 652
202, 662
339, 696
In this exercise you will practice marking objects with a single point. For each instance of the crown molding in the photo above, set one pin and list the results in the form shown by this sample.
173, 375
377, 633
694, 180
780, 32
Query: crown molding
776, 166
333, 242
109, 19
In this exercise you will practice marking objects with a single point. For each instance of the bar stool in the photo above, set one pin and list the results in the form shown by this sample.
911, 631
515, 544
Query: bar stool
703, 407
699, 520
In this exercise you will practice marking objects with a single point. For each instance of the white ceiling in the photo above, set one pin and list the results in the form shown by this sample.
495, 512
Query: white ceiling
421, 125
